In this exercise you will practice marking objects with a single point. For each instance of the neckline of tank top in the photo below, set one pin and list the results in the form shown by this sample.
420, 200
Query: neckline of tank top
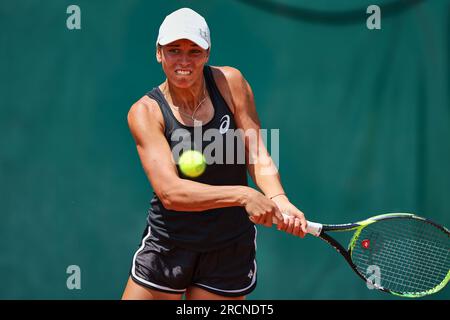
182, 124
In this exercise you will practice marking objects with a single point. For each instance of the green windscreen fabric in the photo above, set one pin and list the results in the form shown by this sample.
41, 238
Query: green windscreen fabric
363, 118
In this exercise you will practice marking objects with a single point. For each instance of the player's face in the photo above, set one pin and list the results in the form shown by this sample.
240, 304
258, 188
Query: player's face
182, 62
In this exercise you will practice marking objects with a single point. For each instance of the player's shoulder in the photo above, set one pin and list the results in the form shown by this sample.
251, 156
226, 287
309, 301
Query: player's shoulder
231, 84
226, 73
145, 108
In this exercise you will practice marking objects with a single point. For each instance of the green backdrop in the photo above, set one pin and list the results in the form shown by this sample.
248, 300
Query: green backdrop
364, 119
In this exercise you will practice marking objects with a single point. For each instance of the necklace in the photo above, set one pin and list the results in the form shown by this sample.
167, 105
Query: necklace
196, 108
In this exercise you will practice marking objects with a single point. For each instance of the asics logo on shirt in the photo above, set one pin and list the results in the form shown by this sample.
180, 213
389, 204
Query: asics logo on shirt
225, 124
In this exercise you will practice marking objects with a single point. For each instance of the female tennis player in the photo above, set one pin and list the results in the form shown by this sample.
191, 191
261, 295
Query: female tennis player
200, 237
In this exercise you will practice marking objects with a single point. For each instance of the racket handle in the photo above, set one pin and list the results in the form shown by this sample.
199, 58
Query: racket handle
313, 228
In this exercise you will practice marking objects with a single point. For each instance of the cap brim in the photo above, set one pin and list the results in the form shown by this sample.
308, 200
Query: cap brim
197, 40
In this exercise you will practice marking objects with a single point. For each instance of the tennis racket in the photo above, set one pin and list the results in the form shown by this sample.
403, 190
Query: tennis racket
410, 253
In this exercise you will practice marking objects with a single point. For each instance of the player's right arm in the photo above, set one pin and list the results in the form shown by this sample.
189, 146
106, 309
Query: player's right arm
146, 124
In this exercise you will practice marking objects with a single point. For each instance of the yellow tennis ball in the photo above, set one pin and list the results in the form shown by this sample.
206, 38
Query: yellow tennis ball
192, 163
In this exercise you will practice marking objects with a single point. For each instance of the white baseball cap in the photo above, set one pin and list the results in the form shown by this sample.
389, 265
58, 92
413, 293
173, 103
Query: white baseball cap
184, 23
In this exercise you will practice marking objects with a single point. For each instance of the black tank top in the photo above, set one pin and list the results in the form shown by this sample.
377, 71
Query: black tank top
210, 229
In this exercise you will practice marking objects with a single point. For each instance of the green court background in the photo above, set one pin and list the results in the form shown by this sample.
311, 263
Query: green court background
364, 119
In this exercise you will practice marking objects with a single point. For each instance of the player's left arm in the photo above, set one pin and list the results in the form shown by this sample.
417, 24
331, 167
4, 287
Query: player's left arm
260, 164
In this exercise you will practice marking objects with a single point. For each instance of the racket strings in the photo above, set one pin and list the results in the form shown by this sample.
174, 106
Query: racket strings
391, 281
412, 255
414, 267
418, 271
421, 282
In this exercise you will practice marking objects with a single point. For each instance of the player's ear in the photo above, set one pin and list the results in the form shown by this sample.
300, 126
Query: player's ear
158, 53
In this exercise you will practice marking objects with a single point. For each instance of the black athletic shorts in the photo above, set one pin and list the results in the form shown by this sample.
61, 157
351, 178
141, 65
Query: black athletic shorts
230, 271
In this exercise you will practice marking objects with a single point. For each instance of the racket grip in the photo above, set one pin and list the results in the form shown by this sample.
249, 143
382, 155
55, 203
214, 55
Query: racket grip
313, 228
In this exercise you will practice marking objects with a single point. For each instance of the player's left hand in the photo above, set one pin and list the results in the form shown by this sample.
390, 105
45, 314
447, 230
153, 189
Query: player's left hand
294, 220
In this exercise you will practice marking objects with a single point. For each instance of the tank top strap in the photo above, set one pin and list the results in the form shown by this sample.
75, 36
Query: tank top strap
218, 101
169, 121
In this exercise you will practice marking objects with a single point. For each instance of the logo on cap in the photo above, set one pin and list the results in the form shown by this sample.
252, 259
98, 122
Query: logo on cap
203, 33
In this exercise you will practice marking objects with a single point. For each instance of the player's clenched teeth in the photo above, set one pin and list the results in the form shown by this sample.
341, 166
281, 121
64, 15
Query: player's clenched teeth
183, 72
